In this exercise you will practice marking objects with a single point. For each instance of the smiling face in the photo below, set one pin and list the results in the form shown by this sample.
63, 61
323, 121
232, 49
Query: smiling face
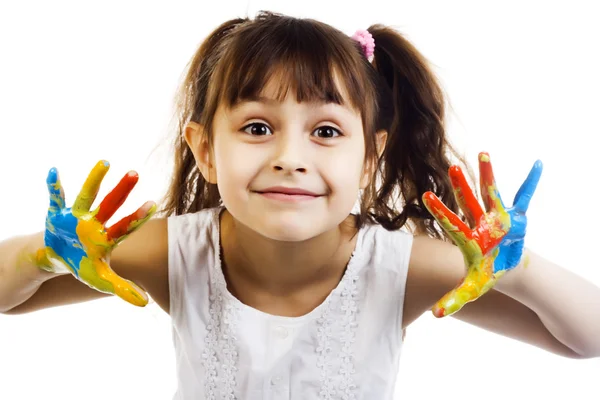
288, 170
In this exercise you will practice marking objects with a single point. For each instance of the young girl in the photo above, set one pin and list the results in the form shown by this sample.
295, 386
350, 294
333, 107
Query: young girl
275, 287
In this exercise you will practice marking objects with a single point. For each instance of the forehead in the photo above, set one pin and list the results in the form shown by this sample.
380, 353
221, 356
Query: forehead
280, 86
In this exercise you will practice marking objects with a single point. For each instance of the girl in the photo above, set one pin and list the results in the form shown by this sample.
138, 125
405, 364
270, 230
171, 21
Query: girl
275, 287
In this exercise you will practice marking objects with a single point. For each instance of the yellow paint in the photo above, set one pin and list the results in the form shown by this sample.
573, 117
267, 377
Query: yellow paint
479, 280
526, 260
98, 275
95, 271
48, 260
93, 237
90, 188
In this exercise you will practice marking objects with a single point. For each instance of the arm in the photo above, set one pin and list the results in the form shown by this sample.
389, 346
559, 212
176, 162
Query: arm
25, 288
532, 300
20, 278
567, 305
43, 269
572, 331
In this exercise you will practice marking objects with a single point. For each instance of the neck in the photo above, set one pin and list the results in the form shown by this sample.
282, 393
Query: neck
282, 268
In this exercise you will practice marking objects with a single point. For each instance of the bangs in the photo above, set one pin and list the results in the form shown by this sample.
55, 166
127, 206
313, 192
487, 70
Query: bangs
313, 62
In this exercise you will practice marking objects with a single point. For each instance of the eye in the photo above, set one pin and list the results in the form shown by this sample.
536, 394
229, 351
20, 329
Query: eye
261, 129
327, 132
257, 129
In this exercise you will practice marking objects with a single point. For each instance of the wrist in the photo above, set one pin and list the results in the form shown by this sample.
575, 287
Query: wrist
35, 261
514, 281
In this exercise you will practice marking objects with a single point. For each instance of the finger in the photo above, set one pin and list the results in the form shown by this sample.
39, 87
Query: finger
448, 220
477, 282
116, 197
129, 224
98, 275
90, 188
489, 191
55, 189
528, 187
464, 194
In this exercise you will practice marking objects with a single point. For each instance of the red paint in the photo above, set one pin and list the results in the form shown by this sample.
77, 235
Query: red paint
486, 179
116, 197
439, 210
127, 224
464, 194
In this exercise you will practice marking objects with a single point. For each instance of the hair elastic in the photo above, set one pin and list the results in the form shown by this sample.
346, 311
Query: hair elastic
366, 41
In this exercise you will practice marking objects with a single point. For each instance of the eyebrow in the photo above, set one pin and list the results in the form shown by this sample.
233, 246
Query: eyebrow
263, 99
270, 101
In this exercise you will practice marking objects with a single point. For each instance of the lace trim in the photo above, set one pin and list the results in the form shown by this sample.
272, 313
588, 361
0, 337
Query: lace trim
348, 337
324, 352
220, 338
209, 354
349, 309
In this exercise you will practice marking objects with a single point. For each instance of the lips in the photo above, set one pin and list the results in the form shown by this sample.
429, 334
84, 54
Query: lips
288, 191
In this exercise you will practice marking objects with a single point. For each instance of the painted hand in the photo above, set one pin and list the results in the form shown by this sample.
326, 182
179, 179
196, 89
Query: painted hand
77, 240
495, 244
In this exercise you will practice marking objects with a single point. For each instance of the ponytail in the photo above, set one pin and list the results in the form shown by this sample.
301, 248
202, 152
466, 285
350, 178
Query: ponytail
416, 155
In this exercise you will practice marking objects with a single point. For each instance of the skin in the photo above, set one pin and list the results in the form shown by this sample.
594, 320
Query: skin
289, 245
480, 245
76, 240
288, 258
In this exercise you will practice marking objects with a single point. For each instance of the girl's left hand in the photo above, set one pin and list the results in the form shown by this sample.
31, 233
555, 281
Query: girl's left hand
495, 244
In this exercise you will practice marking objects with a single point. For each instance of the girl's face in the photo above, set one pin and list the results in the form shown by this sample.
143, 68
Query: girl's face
264, 151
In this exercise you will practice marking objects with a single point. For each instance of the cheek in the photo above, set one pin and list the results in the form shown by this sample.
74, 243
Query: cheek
235, 165
344, 171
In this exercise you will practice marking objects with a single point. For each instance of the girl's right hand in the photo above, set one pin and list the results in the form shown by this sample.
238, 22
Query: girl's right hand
77, 240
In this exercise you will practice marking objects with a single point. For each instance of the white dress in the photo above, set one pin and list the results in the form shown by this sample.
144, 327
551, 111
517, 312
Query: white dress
347, 348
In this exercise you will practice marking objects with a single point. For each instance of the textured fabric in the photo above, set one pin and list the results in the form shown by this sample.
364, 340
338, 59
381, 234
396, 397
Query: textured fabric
347, 348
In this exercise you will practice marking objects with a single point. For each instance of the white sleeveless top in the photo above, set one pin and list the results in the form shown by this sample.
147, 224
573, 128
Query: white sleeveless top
347, 348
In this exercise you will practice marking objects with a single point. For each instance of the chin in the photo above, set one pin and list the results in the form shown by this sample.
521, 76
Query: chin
288, 229
289, 223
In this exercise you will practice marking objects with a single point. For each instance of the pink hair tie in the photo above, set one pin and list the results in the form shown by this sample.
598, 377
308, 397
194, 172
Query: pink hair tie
366, 41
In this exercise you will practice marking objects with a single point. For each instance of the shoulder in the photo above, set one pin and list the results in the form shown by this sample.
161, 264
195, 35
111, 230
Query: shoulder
435, 267
146, 256
202, 219
427, 251
388, 249
382, 257
192, 229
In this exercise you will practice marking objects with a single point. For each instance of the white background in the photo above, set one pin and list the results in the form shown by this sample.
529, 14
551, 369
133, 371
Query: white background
83, 82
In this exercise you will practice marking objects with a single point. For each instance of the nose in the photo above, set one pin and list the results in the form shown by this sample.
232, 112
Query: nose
290, 154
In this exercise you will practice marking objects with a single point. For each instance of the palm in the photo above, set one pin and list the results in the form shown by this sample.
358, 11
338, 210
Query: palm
77, 240
496, 241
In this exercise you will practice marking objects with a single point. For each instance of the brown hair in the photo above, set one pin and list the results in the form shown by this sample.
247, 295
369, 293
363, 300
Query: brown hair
397, 92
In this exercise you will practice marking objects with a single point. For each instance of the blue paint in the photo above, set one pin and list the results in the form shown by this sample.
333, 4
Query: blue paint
61, 226
512, 245
57, 197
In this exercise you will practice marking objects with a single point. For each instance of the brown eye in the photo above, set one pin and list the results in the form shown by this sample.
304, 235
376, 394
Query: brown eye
327, 132
257, 129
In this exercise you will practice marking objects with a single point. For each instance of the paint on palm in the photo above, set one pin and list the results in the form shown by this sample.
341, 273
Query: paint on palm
495, 244
77, 240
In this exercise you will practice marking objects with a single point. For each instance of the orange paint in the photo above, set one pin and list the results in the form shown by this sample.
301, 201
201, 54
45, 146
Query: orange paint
479, 244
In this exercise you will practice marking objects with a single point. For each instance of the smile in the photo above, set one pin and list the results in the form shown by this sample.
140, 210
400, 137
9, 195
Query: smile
288, 194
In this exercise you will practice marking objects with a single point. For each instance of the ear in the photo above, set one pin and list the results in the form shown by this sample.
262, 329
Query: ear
370, 167
198, 144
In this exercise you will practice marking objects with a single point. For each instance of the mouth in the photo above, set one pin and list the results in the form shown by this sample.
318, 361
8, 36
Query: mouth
287, 194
